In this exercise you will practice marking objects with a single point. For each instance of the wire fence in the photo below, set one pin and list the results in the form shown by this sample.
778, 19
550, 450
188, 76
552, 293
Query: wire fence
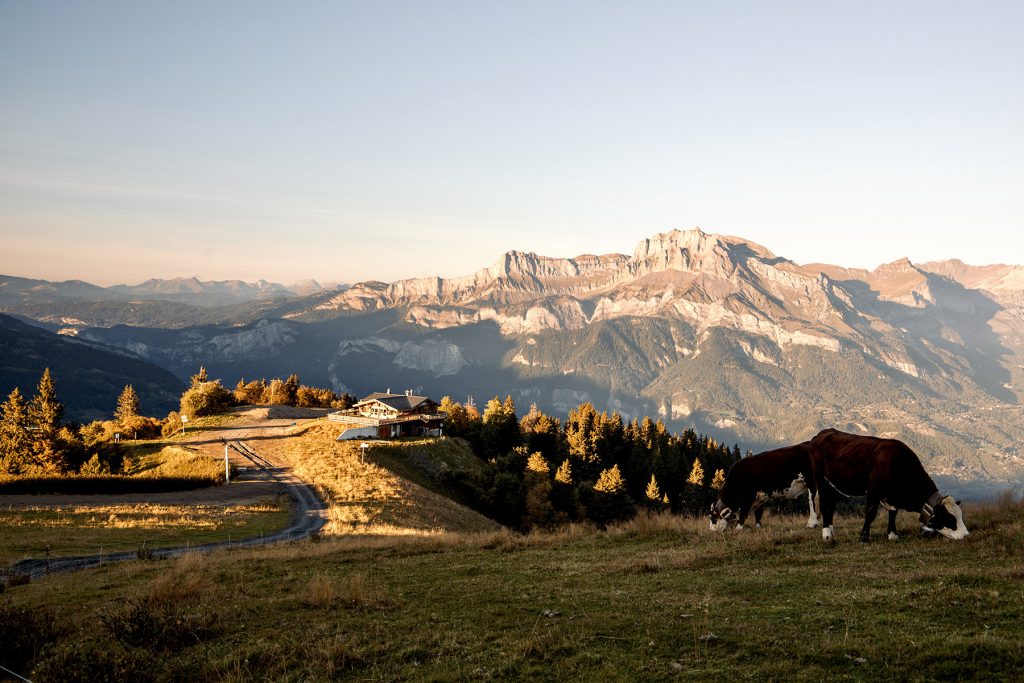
67, 559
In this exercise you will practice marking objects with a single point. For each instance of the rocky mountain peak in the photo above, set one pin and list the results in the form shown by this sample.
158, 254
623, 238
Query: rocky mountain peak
694, 251
898, 267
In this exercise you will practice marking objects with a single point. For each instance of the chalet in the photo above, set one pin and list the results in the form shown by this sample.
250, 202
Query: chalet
389, 416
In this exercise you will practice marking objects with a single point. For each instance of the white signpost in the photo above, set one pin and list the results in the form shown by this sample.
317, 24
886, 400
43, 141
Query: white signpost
227, 468
362, 451
184, 420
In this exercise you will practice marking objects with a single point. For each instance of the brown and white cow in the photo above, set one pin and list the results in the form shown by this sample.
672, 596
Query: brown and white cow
754, 481
888, 473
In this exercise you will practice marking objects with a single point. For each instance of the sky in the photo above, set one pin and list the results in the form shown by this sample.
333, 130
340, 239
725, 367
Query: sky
383, 140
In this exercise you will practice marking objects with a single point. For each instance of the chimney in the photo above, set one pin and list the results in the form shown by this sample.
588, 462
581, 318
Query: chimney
408, 392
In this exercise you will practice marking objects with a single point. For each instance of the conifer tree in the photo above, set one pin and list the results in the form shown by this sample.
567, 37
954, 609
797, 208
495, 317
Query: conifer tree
696, 474
199, 378
127, 406
564, 473
653, 492
564, 495
291, 389
45, 413
719, 481
500, 427
610, 481
539, 510
610, 501
15, 442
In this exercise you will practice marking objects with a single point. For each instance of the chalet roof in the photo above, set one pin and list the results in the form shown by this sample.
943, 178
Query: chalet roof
397, 401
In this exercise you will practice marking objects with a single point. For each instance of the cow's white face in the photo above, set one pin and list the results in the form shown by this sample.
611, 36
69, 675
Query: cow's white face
719, 516
796, 488
948, 519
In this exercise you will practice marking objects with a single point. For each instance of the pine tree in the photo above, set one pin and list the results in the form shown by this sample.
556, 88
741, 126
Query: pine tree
127, 406
539, 510
291, 389
45, 413
536, 463
610, 501
15, 442
719, 481
500, 427
653, 492
610, 481
564, 473
696, 474
199, 378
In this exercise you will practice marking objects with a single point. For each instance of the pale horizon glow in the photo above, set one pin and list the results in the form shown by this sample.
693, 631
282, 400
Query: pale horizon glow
349, 141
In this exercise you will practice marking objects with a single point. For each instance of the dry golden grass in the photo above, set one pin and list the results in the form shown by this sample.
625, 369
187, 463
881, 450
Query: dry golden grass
154, 459
364, 498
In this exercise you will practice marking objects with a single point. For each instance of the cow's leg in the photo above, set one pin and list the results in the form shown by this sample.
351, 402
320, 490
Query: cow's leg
758, 511
891, 526
812, 517
870, 510
827, 508
741, 514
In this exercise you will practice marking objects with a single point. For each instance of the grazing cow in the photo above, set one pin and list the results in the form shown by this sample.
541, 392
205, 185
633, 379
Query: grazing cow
753, 481
888, 473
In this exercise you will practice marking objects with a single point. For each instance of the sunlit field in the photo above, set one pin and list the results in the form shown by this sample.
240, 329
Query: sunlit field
659, 598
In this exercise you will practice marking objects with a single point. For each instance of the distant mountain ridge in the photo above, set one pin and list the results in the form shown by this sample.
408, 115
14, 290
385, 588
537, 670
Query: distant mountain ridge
190, 290
703, 330
89, 376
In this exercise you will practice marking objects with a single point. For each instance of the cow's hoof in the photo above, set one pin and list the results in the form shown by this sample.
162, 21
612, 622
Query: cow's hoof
827, 535
812, 524
758, 525
864, 538
893, 536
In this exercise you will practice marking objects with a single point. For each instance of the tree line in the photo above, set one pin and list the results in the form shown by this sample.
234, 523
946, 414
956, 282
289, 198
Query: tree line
35, 440
595, 466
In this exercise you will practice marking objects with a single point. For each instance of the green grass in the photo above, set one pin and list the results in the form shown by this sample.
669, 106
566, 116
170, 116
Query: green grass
372, 497
656, 599
89, 529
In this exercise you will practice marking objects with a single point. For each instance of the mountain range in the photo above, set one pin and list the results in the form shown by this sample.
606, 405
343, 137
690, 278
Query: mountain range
89, 376
702, 330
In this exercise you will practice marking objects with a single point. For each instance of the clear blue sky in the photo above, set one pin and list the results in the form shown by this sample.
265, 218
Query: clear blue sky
348, 141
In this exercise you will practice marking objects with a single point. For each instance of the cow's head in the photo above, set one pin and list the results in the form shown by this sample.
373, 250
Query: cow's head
719, 515
946, 518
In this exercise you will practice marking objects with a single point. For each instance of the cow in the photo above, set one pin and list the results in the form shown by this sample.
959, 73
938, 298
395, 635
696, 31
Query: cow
888, 473
753, 481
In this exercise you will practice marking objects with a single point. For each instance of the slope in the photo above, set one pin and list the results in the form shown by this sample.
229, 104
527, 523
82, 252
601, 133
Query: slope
89, 376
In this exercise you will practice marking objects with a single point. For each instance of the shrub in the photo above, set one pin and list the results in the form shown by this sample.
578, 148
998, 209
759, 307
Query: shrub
206, 398
172, 423
164, 628
87, 662
24, 633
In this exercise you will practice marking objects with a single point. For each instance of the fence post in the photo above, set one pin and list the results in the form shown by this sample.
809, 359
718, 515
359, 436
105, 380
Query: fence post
47, 558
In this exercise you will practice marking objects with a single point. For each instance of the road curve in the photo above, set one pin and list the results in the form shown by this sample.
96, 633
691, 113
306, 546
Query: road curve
308, 517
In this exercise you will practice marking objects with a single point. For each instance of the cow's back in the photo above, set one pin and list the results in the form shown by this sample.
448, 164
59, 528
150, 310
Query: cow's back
854, 463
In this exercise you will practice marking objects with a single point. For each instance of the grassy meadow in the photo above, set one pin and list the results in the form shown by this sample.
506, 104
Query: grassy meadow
387, 494
84, 529
659, 598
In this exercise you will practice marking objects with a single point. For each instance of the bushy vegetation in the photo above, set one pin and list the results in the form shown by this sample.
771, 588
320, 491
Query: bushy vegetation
290, 392
596, 467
